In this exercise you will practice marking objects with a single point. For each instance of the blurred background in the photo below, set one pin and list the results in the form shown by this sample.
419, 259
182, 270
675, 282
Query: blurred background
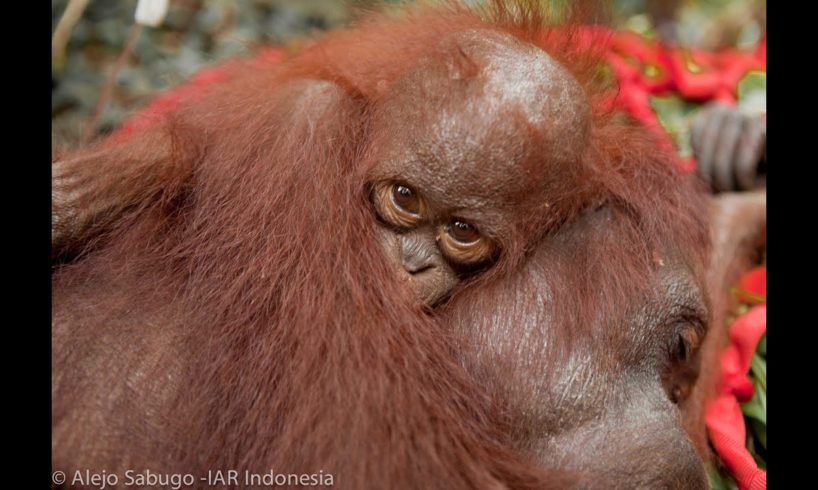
197, 33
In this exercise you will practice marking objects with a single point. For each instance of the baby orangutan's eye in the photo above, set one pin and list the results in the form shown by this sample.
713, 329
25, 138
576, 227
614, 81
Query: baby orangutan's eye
463, 232
398, 204
463, 243
405, 198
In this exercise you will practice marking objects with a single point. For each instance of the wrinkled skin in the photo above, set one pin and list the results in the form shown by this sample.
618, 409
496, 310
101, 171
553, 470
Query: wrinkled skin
602, 410
608, 409
730, 148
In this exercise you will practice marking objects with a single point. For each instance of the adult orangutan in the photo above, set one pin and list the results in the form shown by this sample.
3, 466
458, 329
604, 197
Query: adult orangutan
596, 377
245, 283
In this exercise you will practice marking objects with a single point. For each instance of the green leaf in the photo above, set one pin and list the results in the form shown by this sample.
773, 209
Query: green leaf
758, 459
675, 116
752, 81
753, 410
762, 348
759, 431
640, 24
719, 480
668, 109
758, 367
757, 407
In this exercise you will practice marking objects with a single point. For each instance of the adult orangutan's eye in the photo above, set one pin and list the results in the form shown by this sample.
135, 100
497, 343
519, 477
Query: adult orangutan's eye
685, 343
683, 369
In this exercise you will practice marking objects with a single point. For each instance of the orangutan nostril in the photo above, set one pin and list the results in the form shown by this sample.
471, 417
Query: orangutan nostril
416, 263
415, 255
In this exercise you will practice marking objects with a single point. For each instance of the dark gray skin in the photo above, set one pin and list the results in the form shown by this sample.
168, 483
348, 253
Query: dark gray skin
452, 133
730, 148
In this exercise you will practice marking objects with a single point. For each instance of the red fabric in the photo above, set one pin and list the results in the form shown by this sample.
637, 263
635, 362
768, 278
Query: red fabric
725, 422
753, 282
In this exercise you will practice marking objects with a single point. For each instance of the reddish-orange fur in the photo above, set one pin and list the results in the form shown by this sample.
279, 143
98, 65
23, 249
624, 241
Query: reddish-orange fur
238, 233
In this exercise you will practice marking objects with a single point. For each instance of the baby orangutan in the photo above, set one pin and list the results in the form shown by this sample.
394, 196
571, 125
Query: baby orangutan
471, 148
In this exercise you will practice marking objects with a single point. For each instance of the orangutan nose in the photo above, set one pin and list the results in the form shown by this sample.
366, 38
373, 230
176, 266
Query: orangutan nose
415, 254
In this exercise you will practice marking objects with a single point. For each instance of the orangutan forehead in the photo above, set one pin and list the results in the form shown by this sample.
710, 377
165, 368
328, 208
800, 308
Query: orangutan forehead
487, 118
680, 291
514, 73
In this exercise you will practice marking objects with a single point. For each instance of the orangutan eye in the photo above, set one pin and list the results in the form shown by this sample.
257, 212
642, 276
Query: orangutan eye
684, 345
398, 204
463, 232
405, 198
682, 350
682, 370
463, 243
